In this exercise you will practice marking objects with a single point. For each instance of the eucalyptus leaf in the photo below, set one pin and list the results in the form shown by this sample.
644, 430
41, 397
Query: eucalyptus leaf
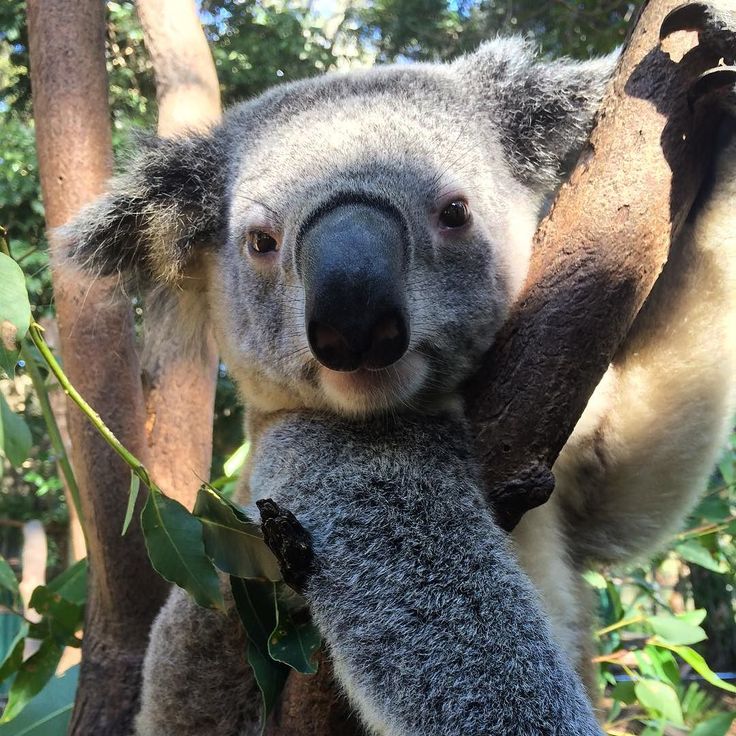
295, 640
697, 662
8, 581
660, 699
15, 312
62, 617
174, 542
14, 657
15, 437
717, 726
72, 583
255, 601
692, 551
31, 677
676, 631
49, 713
135, 487
232, 541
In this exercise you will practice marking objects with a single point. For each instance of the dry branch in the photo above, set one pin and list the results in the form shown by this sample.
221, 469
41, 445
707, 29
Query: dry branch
69, 80
595, 260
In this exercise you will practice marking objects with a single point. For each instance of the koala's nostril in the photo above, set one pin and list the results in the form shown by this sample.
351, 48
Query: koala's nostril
389, 342
331, 348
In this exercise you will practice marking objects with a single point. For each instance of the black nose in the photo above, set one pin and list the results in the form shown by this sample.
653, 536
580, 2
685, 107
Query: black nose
352, 260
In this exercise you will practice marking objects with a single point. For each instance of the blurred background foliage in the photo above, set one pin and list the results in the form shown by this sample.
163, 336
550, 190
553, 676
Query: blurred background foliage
256, 45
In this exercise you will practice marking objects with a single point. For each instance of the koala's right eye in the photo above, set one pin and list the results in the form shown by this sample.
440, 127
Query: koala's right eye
261, 242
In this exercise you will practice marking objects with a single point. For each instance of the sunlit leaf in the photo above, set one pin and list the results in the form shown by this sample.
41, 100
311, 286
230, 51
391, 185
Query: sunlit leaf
676, 631
295, 639
174, 543
697, 662
15, 437
255, 601
232, 541
32, 675
660, 699
235, 462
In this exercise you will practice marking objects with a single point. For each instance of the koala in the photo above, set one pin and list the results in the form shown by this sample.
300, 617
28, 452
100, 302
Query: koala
356, 241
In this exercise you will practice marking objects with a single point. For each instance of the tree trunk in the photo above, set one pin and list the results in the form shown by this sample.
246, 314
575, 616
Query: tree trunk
180, 390
634, 184
67, 52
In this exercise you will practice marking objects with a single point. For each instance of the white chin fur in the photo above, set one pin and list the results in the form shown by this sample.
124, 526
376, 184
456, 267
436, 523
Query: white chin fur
365, 392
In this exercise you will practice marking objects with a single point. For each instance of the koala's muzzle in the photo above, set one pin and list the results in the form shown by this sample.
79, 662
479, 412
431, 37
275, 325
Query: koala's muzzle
352, 262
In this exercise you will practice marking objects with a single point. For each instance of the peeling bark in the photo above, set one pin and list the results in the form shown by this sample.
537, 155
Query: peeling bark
69, 81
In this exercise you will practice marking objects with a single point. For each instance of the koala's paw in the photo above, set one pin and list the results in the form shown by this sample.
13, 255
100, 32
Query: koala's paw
715, 22
290, 542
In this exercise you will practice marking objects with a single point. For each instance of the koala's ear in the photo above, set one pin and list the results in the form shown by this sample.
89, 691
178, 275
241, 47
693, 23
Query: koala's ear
168, 202
544, 109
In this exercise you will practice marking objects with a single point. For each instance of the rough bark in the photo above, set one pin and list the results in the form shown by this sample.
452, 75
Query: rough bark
71, 113
180, 390
596, 257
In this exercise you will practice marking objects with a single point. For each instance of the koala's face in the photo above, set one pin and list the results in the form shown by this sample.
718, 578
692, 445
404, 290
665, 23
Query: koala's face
363, 234
375, 238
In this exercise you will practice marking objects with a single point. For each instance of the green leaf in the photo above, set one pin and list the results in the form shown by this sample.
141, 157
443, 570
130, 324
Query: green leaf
174, 543
235, 462
62, 617
48, 714
692, 551
660, 699
72, 583
595, 579
695, 618
676, 631
295, 640
8, 581
32, 675
255, 601
14, 658
624, 693
15, 312
697, 662
717, 726
15, 437
232, 541
135, 486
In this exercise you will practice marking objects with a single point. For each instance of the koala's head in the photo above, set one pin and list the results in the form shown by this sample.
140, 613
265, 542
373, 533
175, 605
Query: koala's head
361, 236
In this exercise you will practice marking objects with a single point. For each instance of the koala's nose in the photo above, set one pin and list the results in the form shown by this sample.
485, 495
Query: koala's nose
352, 263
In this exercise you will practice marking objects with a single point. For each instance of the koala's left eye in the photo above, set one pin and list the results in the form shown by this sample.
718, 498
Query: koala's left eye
262, 242
456, 214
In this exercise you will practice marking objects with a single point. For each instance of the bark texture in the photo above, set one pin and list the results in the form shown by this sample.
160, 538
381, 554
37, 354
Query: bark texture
180, 390
596, 257
71, 113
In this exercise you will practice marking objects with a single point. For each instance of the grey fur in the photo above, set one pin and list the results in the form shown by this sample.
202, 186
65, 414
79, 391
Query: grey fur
499, 128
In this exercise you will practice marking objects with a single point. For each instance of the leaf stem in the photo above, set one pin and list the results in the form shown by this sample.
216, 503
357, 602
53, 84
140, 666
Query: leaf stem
35, 333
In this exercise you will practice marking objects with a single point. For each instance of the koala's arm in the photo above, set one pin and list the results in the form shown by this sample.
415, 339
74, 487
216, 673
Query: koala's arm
432, 626
652, 432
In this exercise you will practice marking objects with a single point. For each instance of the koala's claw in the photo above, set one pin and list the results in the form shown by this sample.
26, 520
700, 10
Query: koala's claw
714, 21
290, 542
720, 78
687, 17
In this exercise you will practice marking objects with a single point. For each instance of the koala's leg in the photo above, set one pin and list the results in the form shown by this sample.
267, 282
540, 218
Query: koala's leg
652, 432
196, 681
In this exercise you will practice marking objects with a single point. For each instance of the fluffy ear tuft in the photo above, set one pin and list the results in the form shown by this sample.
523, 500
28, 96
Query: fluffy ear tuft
545, 109
169, 200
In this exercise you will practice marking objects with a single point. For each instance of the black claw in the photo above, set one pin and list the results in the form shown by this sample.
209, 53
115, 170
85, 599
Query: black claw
290, 542
688, 17
713, 80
